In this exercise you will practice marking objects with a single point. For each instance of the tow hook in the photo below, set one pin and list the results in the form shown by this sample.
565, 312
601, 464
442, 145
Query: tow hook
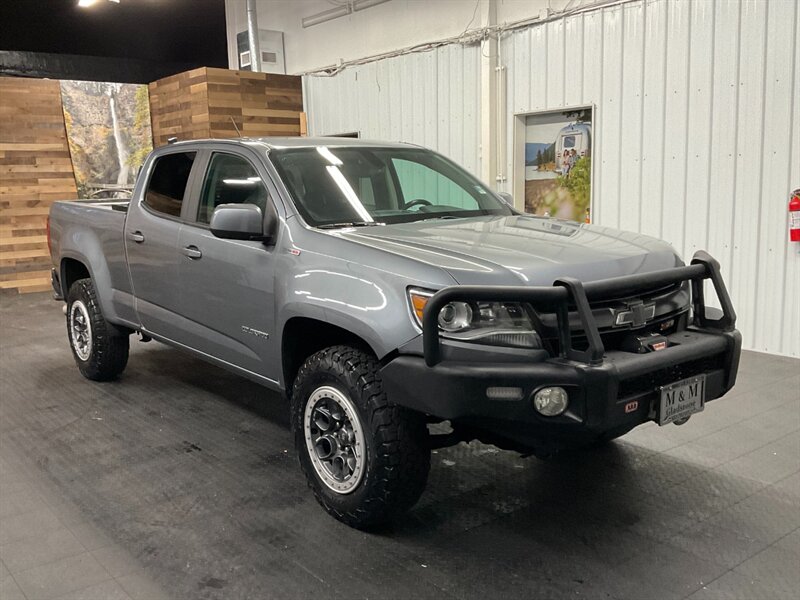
682, 421
144, 337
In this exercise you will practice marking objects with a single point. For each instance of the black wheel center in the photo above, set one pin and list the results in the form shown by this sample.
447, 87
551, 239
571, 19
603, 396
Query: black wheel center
332, 441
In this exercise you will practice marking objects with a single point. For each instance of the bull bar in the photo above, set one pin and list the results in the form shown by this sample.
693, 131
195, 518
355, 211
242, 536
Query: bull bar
568, 291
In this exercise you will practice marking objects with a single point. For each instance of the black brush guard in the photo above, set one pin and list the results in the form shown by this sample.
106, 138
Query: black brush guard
611, 390
567, 292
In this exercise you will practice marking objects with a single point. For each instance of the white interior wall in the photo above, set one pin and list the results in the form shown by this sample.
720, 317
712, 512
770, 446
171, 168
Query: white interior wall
426, 98
697, 133
697, 129
375, 30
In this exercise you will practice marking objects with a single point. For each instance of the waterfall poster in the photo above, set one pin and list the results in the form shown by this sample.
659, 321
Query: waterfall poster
108, 129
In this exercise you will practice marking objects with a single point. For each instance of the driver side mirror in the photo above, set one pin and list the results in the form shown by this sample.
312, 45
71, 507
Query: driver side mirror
507, 198
242, 222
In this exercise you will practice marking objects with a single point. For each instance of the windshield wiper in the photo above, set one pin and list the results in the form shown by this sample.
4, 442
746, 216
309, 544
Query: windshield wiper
350, 224
442, 217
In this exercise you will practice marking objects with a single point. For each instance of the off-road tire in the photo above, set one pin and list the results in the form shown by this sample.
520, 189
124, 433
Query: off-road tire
397, 452
109, 345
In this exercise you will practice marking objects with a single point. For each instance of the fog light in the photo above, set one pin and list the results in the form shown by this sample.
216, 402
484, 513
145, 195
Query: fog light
551, 401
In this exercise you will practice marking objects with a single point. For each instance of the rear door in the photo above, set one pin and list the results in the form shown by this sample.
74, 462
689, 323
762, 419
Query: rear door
227, 286
152, 230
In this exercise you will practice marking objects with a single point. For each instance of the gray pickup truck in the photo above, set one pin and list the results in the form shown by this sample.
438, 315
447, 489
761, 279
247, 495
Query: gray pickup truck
383, 289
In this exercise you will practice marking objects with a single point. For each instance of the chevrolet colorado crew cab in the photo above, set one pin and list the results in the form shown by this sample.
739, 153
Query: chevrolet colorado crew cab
382, 288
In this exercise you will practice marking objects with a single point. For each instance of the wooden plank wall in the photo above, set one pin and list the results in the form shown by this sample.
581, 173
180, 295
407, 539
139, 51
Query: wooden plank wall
206, 102
35, 170
179, 107
35, 165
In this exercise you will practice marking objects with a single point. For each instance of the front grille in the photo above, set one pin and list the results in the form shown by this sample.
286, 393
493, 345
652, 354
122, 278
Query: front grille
644, 294
613, 339
671, 304
649, 382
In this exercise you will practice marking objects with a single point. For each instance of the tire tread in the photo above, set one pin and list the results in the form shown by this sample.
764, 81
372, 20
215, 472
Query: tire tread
109, 348
401, 453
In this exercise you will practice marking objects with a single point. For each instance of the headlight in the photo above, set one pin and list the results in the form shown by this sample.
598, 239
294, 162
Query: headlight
455, 316
494, 323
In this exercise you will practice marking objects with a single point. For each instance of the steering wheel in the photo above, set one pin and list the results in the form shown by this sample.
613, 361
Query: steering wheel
417, 202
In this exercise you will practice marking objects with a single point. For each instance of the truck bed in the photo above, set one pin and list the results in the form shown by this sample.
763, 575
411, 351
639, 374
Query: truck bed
112, 204
92, 232
103, 217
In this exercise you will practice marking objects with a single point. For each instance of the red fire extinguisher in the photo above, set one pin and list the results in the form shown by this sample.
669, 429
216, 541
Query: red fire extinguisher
794, 216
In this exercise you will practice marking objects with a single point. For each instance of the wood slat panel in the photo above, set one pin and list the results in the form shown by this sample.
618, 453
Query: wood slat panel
35, 170
206, 102
40, 283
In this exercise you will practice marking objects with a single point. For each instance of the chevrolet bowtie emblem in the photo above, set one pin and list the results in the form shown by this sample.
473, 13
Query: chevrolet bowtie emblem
636, 314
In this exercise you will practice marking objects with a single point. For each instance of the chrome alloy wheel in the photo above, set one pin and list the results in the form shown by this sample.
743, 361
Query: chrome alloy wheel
335, 439
80, 330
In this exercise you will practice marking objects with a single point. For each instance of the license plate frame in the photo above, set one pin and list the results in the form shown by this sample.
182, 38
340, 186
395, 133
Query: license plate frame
681, 399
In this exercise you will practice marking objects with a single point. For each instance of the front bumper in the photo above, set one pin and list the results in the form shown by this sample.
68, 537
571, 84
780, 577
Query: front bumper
599, 394
610, 391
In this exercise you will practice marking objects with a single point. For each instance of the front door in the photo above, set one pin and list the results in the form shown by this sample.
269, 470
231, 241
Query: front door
226, 286
152, 232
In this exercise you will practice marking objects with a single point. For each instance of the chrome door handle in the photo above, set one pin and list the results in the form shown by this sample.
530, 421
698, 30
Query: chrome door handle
193, 252
136, 236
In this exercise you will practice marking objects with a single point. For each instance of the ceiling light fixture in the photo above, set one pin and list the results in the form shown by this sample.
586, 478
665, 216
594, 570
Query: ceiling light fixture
88, 3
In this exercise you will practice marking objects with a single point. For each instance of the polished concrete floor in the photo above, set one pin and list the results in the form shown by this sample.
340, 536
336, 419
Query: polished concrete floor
179, 480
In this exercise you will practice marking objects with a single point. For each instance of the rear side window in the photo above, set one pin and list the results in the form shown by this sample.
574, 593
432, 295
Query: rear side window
230, 180
167, 185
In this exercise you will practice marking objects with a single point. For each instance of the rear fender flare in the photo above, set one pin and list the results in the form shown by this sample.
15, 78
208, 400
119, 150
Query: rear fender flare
98, 271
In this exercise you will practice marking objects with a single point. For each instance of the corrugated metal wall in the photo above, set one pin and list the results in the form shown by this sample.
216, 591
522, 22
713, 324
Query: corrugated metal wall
429, 98
697, 129
697, 133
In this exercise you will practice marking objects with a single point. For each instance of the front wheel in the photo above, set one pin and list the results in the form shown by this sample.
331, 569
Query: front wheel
100, 349
365, 459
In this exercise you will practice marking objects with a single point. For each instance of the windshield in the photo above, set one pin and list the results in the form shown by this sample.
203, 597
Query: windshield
364, 185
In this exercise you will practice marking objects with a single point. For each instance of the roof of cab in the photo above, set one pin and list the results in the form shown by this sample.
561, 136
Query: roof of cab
312, 142
277, 143
294, 142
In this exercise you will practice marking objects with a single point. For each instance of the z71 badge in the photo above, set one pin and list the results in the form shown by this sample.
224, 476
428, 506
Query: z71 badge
262, 334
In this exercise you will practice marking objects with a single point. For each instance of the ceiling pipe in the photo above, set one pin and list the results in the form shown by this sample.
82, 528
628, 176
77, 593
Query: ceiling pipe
339, 11
252, 36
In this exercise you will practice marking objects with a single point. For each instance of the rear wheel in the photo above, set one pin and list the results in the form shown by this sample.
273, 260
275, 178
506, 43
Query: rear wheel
365, 459
100, 349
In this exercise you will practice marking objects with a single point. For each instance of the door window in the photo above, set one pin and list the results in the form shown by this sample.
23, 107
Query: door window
230, 180
167, 185
419, 182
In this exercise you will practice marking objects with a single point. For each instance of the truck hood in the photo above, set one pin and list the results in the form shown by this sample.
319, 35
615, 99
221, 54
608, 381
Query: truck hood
519, 250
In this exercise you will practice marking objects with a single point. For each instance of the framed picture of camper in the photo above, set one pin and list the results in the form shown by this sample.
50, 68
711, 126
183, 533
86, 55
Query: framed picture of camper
555, 149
